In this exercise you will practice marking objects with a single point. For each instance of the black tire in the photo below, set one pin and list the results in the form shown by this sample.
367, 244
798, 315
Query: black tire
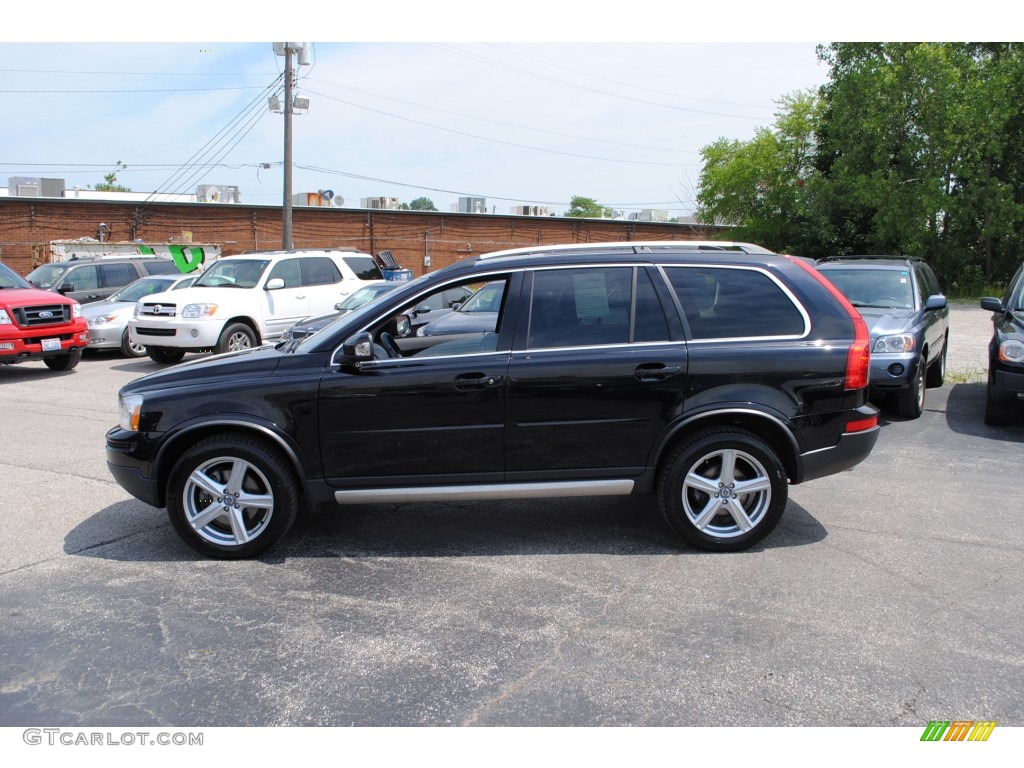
234, 337
210, 485
937, 370
64, 362
697, 489
910, 402
165, 355
131, 350
996, 414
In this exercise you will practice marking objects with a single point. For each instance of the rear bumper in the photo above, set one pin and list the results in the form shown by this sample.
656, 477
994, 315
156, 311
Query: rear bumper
851, 449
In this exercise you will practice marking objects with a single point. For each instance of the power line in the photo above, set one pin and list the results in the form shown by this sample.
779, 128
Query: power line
499, 141
556, 81
502, 123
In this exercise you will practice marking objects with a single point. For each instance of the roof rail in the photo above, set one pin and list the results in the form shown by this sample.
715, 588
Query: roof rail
638, 246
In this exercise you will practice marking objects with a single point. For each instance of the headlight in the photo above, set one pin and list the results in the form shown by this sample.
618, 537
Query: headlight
130, 409
1011, 351
5, 319
900, 342
198, 311
102, 319
76, 310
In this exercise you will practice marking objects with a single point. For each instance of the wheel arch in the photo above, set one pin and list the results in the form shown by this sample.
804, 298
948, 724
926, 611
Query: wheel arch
244, 320
182, 439
770, 428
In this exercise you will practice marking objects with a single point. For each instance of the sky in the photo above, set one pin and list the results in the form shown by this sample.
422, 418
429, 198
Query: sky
528, 107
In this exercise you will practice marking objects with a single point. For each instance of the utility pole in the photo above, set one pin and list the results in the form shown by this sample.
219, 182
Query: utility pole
301, 52
286, 224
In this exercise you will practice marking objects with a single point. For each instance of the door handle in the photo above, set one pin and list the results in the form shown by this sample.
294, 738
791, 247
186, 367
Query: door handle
476, 381
656, 371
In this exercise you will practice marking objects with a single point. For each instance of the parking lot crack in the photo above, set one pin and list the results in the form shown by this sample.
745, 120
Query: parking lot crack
546, 664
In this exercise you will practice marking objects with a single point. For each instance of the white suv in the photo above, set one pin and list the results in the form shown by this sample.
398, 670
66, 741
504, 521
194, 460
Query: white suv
243, 301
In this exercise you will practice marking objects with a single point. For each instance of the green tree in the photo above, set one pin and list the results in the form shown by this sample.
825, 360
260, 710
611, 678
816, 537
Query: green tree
762, 186
920, 154
110, 181
588, 208
422, 204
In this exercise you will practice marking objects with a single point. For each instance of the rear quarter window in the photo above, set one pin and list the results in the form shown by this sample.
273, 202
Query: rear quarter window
160, 267
735, 302
365, 267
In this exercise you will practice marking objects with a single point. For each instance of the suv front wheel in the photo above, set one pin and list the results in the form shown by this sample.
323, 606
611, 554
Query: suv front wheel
723, 490
910, 402
231, 496
235, 337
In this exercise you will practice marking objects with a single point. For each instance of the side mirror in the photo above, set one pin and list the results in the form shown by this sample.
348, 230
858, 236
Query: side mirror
66, 288
422, 309
403, 326
936, 301
992, 304
357, 349
275, 284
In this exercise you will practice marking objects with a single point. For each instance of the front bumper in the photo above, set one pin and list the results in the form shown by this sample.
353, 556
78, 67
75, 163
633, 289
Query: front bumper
1007, 387
891, 372
177, 333
129, 459
24, 344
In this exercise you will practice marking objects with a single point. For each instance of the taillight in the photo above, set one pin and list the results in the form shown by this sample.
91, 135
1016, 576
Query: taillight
858, 359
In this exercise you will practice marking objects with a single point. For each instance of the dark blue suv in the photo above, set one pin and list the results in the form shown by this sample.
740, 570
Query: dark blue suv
908, 317
1005, 393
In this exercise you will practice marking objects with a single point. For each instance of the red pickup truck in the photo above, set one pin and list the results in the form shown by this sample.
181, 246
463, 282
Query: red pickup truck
39, 325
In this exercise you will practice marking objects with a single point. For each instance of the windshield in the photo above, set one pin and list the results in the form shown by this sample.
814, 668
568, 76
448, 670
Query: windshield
487, 299
881, 288
142, 288
11, 279
46, 275
366, 294
233, 273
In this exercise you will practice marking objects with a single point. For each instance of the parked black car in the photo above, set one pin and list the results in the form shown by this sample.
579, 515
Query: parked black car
621, 368
1004, 398
908, 318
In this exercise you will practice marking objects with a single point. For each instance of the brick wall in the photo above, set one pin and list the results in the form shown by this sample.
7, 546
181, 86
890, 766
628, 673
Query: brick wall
27, 225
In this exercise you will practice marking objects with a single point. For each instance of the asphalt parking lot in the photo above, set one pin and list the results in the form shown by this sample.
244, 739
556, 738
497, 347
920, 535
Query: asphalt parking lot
889, 596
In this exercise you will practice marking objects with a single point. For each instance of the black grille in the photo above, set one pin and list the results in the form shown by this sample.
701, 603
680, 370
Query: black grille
44, 314
154, 331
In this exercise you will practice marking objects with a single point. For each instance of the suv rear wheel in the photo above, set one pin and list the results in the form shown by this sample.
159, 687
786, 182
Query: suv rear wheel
232, 496
937, 371
723, 490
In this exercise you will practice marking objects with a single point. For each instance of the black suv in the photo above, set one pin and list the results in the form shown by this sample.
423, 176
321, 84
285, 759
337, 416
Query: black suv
908, 317
708, 374
97, 277
1005, 392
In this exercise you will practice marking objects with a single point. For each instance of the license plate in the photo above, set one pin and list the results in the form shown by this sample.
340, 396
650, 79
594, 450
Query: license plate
51, 345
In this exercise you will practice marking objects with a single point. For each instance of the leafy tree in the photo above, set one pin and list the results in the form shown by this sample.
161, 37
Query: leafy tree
422, 204
110, 181
761, 186
588, 208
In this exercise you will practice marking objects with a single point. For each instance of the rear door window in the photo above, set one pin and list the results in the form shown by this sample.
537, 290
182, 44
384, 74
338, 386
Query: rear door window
735, 303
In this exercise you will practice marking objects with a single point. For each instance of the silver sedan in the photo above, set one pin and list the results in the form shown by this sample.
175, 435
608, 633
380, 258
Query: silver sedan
108, 318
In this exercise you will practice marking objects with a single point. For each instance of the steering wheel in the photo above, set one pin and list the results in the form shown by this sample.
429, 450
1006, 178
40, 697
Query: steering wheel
387, 341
